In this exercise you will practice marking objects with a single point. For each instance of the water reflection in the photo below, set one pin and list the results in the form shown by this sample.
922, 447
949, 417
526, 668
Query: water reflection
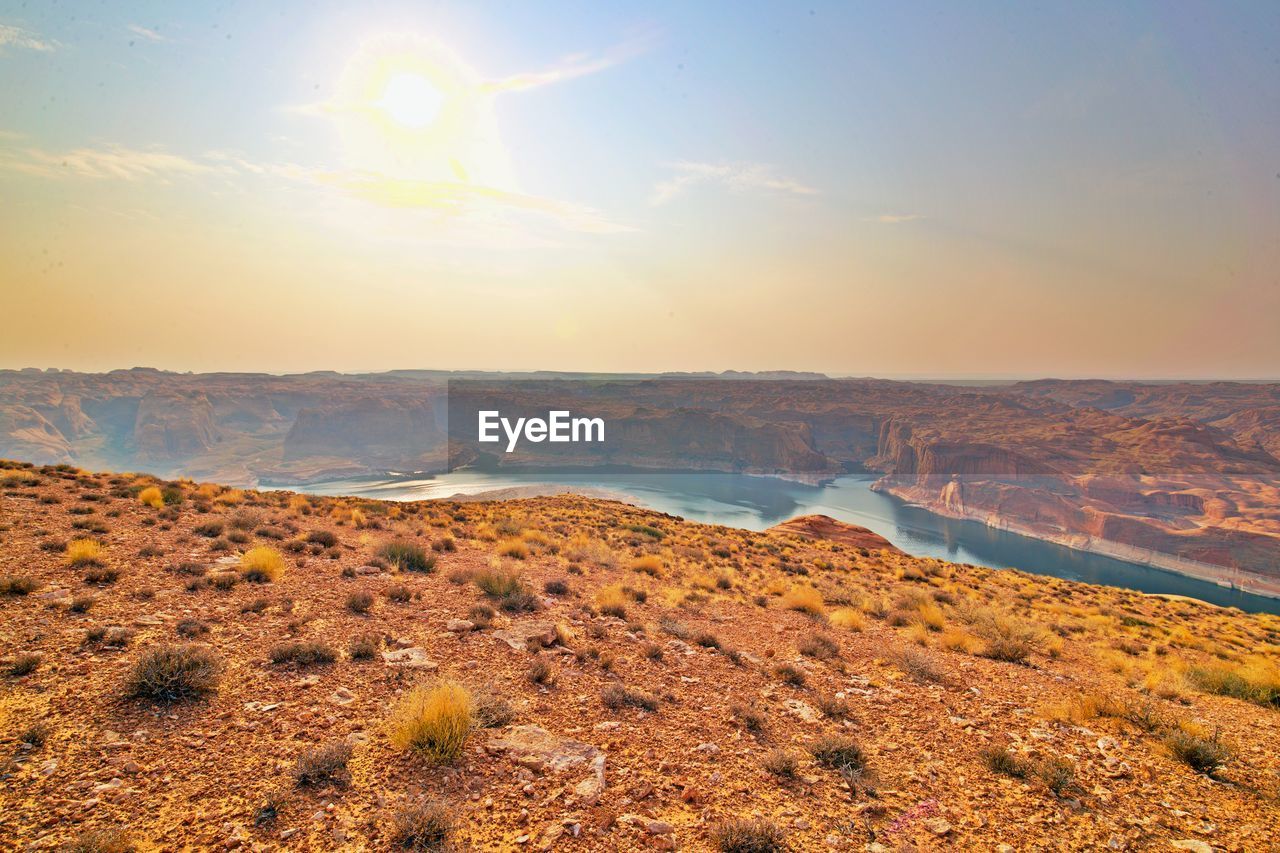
756, 503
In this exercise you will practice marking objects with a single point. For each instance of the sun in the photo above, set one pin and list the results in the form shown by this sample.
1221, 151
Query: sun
411, 100
410, 109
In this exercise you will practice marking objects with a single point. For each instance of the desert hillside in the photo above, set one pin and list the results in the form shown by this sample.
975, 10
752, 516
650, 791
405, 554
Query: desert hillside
189, 666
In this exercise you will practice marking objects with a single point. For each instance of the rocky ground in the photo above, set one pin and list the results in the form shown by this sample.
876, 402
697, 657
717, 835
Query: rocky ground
644, 682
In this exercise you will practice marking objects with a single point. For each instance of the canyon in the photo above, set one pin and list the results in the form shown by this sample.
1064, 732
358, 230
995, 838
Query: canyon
1183, 476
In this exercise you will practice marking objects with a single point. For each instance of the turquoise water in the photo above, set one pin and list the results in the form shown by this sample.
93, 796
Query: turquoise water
755, 503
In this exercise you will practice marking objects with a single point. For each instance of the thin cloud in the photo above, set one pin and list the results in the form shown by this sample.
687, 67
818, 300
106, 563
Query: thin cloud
11, 36
146, 33
461, 199
737, 177
109, 162
895, 218
572, 67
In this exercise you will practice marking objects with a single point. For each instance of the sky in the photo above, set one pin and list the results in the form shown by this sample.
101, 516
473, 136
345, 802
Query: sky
892, 189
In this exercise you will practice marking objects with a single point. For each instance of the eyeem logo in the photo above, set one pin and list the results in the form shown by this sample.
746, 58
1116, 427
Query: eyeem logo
558, 427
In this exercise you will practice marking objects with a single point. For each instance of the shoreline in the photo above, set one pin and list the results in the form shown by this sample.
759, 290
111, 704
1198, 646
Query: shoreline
1242, 580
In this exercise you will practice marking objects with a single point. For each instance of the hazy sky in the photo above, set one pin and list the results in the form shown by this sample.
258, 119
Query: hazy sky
949, 189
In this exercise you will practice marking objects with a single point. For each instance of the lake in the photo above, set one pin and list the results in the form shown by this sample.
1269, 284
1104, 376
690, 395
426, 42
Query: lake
755, 503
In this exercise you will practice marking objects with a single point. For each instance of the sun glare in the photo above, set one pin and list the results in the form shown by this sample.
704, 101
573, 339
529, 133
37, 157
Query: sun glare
410, 110
411, 100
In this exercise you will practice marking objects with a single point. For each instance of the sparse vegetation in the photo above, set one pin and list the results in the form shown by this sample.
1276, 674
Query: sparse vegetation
407, 556
262, 564
1256, 681
169, 673
616, 696
364, 647
83, 552
507, 589
101, 841
17, 585
323, 764
25, 664
302, 653
840, 753
360, 602
421, 825
433, 721
805, 599
918, 664
782, 763
612, 601
1201, 752
791, 674
749, 835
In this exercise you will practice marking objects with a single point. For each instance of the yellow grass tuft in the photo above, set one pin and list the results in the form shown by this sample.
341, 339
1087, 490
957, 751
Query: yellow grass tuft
82, 551
849, 618
262, 564
513, 548
536, 537
959, 640
929, 614
649, 564
612, 601
152, 497
433, 721
806, 599
231, 497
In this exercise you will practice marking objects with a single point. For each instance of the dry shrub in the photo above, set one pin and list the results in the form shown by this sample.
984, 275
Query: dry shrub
782, 763
749, 835
1256, 680
649, 564
507, 589
83, 552
172, 672
1004, 638
918, 664
840, 753
323, 764
848, 618
18, 585
433, 721
262, 564
1195, 747
805, 599
616, 697
612, 601
421, 825
100, 841
302, 653
583, 549
152, 497
513, 548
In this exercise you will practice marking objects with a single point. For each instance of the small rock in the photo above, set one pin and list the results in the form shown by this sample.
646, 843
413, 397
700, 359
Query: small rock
938, 826
1192, 844
410, 658
460, 626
